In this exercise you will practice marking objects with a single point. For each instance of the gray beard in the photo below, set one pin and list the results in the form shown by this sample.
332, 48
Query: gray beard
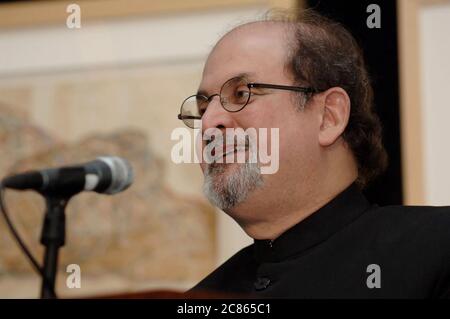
228, 189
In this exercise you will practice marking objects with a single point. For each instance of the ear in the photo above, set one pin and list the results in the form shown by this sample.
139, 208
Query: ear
335, 115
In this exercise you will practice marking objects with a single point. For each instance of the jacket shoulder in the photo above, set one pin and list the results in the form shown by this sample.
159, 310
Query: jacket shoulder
429, 221
229, 273
411, 237
439, 215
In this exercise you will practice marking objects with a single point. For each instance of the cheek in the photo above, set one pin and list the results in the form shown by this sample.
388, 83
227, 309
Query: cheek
299, 141
198, 150
263, 113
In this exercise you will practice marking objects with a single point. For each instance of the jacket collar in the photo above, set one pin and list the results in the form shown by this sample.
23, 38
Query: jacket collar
316, 228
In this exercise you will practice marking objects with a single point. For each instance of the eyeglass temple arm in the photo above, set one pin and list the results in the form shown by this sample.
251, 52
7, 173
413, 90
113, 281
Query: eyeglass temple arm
188, 117
282, 87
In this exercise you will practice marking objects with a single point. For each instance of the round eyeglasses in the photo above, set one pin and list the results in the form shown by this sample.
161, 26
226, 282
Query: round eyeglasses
234, 96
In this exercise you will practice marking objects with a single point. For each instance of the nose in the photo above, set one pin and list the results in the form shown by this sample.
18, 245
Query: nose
216, 116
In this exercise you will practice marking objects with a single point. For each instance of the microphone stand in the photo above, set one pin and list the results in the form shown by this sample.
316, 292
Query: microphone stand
53, 238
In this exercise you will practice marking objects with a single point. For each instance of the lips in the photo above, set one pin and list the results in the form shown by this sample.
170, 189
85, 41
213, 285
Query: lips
228, 149
217, 152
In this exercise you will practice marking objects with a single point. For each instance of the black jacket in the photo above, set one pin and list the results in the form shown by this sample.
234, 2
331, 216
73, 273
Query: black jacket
347, 249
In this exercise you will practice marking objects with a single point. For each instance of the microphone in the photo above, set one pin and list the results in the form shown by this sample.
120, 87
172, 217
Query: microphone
105, 175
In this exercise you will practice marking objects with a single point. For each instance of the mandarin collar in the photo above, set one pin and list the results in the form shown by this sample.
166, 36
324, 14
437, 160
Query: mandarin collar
316, 228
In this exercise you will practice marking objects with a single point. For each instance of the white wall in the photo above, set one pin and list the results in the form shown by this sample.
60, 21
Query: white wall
434, 26
124, 41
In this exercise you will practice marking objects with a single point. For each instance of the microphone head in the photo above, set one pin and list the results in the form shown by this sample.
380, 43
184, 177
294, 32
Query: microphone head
122, 175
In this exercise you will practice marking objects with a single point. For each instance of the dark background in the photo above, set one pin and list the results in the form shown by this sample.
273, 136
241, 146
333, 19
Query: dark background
381, 54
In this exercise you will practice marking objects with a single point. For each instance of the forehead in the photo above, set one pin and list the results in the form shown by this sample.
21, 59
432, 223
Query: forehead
258, 49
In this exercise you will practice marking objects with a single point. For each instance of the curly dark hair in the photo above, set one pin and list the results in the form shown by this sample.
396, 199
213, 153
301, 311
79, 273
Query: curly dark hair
323, 54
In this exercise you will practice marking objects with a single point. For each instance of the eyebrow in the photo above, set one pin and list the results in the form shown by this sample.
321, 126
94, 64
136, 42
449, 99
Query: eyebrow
244, 75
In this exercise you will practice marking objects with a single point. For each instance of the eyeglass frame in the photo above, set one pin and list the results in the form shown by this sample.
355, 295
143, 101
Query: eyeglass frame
250, 86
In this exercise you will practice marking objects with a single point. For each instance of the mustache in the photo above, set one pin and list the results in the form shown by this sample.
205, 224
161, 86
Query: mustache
218, 141
220, 146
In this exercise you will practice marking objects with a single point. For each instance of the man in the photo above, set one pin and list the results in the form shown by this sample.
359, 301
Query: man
315, 234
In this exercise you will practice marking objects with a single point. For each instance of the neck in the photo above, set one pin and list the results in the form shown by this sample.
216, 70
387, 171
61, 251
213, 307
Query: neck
277, 215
